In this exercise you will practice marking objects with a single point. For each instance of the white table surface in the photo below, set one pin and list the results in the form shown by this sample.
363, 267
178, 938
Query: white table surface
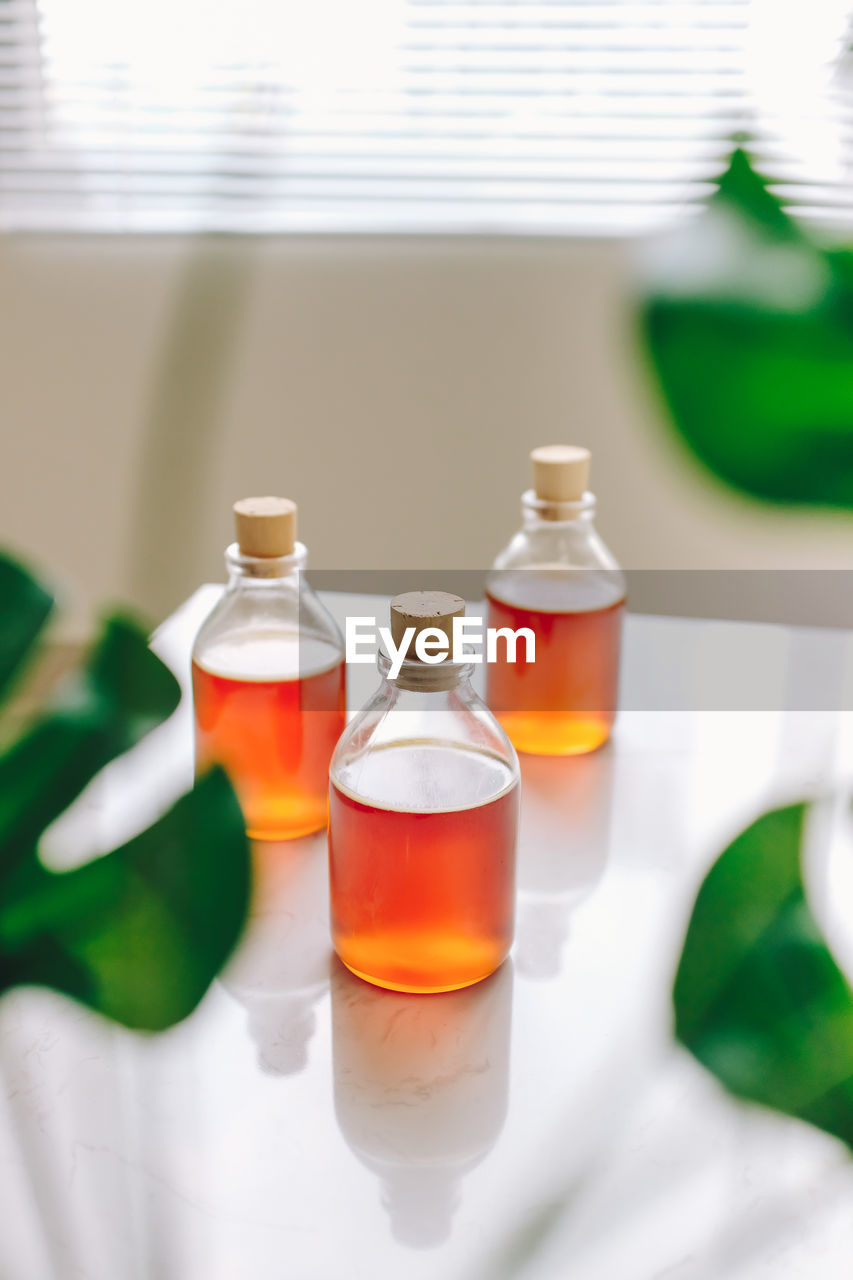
542, 1125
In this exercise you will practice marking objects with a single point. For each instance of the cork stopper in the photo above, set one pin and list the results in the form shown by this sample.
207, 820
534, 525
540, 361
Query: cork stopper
266, 527
423, 609
560, 472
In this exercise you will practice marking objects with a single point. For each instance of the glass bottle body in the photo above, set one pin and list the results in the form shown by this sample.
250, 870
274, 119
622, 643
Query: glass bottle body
423, 812
557, 578
269, 694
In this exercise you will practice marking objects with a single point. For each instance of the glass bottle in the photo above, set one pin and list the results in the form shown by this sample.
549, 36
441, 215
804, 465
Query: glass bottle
423, 814
268, 678
557, 578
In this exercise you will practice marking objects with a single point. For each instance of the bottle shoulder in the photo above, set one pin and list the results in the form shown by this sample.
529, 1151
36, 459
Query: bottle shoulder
424, 735
269, 633
562, 567
567, 545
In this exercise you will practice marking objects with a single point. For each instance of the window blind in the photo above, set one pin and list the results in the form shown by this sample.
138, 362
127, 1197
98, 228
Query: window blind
531, 116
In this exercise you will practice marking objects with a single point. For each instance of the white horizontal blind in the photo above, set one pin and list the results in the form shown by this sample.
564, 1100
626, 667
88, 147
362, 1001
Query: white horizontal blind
575, 116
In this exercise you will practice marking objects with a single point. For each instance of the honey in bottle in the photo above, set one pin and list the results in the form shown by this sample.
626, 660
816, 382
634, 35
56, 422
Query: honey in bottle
557, 578
269, 678
423, 809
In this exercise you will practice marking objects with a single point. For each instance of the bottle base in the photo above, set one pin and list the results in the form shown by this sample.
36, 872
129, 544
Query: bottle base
555, 734
420, 961
276, 834
585, 749
410, 989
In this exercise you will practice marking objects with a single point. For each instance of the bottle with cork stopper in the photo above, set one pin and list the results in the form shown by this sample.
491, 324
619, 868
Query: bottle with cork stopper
558, 578
269, 677
423, 812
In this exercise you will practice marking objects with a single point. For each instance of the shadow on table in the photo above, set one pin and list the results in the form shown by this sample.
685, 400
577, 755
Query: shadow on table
564, 837
281, 968
421, 1086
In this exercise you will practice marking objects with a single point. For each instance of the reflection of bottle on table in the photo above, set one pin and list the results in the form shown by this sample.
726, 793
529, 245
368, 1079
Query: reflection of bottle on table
421, 1089
281, 968
564, 837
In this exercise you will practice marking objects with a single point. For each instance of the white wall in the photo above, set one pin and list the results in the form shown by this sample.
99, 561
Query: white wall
393, 387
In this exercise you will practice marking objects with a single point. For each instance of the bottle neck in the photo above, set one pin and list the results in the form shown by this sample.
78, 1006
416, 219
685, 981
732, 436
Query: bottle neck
536, 513
424, 677
264, 573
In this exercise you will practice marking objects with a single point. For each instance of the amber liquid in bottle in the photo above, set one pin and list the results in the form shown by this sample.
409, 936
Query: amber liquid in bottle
563, 703
422, 891
270, 711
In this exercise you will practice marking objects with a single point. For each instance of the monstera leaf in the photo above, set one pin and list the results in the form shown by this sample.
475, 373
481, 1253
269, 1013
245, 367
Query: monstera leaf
749, 324
24, 609
140, 933
758, 998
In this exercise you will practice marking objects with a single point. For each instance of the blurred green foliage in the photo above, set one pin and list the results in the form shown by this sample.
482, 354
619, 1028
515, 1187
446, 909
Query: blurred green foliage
749, 323
139, 933
758, 997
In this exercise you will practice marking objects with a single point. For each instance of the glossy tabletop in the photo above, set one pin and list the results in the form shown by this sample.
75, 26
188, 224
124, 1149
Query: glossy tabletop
542, 1124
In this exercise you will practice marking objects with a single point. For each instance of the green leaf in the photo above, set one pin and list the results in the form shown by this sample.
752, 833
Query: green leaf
743, 189
749, 323
139, 933
24, 609
758, 998
122, 693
